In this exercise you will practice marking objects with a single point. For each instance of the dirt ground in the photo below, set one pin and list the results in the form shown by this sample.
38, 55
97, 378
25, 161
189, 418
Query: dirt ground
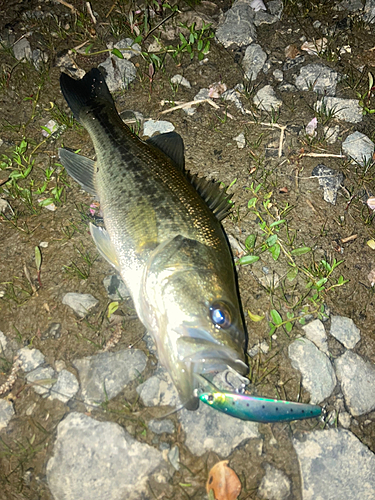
29, 98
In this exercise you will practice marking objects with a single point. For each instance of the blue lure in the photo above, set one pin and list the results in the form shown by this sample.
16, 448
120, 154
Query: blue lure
258, 409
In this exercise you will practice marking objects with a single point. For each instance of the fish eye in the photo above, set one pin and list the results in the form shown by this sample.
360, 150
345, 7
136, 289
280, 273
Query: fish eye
220, 315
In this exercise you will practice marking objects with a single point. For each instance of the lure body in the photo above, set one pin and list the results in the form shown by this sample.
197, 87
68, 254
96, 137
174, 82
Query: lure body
256, 409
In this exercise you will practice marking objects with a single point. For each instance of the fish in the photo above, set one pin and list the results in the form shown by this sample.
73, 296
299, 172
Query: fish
257, 409
163, 235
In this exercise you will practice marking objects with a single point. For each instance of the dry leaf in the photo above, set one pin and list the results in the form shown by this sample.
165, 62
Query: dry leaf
291, 51
223, 481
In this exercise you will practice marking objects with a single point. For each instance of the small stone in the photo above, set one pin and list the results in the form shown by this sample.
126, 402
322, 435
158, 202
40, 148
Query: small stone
241, 141
81, 303
158, 390
359, 147
266, 99
331, 134
209, 430
315, 332
174, 457
334, 464
128, 48
369, 11
318, 376
344, 419
30, 358
253, 61
160, 426
100, 460
233, 95
357, 379
65, 388
52, 126
318, 78
22, 50
52, 332
115, 287
6, 413
105, 375
345, 331
330, 180
180, 80
152, 126
42, 379
347, 110
119, 73
278, 75
3, 342
275, 485
238, 26
43, 244
202, 95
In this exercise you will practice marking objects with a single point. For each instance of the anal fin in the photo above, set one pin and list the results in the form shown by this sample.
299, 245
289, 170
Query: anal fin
104, 245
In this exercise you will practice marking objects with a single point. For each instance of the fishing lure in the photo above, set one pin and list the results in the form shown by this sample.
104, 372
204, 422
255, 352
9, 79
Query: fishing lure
256, 409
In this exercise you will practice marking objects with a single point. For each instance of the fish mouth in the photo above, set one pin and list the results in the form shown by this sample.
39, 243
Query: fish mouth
202, 353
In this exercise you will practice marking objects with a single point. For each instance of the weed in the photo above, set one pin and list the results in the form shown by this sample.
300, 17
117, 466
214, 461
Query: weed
83, 268
365, 99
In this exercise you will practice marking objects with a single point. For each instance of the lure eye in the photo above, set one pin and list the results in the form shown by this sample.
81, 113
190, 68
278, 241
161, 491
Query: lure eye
220, 315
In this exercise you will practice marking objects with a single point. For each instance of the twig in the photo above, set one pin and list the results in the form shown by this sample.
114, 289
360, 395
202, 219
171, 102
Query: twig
322, 155
161, 22
190, 103
282, 129
91, 14
349, 238
69, 5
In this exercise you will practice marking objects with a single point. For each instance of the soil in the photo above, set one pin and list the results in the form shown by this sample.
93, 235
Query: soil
30, 98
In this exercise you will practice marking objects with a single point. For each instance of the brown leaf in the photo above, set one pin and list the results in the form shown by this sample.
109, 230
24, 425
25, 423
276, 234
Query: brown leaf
223, 481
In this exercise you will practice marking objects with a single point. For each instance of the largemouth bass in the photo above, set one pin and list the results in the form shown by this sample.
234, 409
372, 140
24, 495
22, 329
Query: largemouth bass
163, 235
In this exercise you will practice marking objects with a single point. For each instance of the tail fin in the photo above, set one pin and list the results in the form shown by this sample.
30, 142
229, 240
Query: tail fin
80, 94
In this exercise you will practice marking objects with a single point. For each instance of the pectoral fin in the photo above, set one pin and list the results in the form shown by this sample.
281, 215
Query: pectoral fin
80, 168
104, 245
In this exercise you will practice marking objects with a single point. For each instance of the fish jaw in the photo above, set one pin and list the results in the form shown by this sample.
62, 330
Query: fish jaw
179, 286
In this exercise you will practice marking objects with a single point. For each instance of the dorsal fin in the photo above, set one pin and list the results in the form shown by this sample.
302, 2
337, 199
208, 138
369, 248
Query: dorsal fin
172, 145
217, 198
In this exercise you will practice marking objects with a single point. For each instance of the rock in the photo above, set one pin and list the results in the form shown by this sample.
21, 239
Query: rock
119, 72
330, 180
65, 388
6, 413
344, 419
209, 430
359, 147
152, 126
334, 464
278, 75
52, 332
30, 358
100, 460
160, 426
350, 5
158, 390
106, 374
241, 141
315, 332
369, 11
42, 379
233, 95
331, 133
22, 50
39, 58
319, 78
253, 61
3, 342
81, 303
347, 110
275, 485
128, 48
266, 99
238, 26
180, 80
318, 376
345, 331
115, 287
357, 380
